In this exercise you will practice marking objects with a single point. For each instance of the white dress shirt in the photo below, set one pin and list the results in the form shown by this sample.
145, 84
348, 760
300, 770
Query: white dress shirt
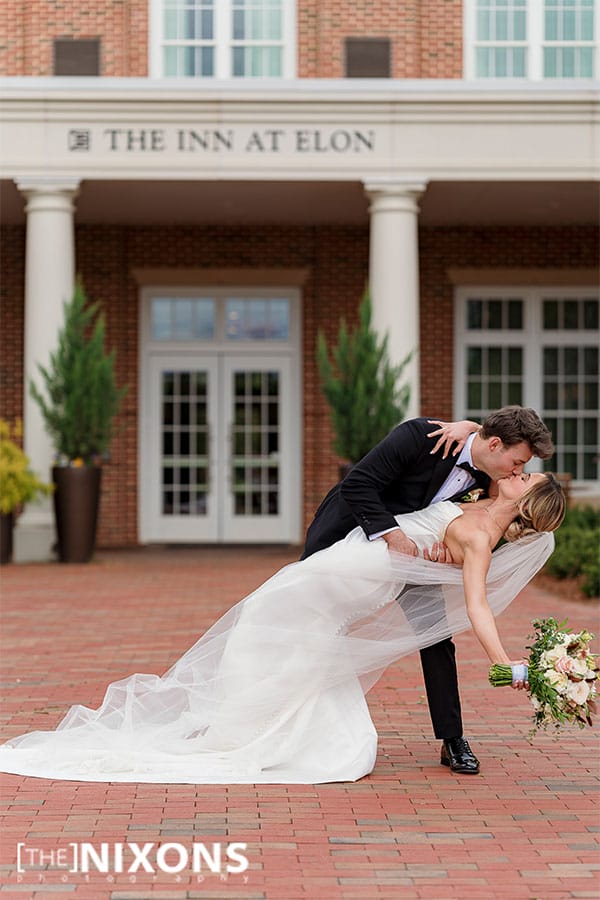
457, 480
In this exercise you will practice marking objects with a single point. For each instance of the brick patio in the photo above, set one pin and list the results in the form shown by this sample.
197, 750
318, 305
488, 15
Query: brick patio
527, 827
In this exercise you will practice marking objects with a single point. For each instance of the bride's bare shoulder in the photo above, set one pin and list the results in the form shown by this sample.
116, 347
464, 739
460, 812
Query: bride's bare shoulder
470, 528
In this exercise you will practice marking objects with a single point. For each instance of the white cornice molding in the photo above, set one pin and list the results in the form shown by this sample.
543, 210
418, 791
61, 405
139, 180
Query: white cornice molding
301, 87
337, 131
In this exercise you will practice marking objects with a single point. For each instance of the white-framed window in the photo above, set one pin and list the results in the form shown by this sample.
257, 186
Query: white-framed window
536, 347
223, 39
220, 317
532, 39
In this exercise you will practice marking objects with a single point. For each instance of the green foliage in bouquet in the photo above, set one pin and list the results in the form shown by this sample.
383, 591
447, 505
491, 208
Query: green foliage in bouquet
18, 484
361, 386
82, 397
576, 552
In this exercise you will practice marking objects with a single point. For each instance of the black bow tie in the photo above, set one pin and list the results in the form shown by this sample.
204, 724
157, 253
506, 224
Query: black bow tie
476, 473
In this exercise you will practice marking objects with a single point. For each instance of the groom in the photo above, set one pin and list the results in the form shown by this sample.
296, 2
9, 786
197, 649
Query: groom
401, 474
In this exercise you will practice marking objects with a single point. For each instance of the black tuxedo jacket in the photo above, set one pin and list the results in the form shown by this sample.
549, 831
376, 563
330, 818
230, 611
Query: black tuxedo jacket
398, 475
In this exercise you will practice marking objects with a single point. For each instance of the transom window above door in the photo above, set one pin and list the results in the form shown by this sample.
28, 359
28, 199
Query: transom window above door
223, 38
221, 316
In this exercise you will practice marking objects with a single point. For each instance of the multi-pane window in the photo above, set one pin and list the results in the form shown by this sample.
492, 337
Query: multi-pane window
185, 443
254, 319
570, 381
188, 37
535, 348
183, 318
224, 316
568, 40
257, 38
224, 38
531, 39
501, 47
255, 435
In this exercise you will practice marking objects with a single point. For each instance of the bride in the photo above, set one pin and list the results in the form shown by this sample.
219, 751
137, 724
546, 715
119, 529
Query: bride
274, 691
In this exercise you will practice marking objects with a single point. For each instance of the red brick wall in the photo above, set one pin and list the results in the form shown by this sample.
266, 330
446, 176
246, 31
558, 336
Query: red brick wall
337, 258
426, 37
29, 29
12, 288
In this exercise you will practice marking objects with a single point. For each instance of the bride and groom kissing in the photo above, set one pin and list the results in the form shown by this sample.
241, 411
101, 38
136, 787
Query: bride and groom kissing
402, 474
274, 691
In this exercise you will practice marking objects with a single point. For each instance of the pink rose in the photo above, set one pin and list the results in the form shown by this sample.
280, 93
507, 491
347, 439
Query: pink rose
564, 665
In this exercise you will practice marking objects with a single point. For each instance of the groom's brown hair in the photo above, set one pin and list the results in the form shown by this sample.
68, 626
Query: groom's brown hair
513, 424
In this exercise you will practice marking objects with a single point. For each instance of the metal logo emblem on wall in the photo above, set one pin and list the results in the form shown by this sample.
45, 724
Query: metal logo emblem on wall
80, 139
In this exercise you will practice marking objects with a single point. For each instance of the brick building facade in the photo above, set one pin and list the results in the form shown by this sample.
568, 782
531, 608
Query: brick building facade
196, 189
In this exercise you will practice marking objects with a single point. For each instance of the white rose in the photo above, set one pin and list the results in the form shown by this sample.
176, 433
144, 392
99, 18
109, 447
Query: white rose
580, 667
578, 691
556, 653
558, 680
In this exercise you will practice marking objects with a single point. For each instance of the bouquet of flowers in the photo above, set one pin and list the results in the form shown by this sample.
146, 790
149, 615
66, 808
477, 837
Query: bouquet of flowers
562, 675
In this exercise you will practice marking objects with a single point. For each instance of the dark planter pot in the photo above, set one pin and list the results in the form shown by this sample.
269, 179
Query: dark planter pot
7, 522
76, 503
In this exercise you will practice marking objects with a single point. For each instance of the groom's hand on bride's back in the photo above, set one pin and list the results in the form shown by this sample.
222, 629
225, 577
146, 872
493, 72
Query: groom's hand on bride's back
400, 543
438, 553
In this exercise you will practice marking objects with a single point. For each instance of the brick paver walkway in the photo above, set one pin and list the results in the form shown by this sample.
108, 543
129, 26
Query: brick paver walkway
527, 827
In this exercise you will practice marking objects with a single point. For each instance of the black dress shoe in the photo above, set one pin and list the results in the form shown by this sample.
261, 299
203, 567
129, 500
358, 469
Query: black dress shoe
457, 754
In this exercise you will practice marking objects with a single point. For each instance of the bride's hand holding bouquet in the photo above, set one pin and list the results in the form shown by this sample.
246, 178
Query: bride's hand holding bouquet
562, 674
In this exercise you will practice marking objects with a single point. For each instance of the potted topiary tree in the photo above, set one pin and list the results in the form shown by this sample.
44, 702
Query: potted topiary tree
80, 402
361, 387
18, 485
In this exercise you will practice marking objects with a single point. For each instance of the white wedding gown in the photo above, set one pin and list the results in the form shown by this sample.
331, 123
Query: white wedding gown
274, 691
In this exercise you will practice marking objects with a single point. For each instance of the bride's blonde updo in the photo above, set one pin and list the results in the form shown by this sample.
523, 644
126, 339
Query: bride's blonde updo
541, 508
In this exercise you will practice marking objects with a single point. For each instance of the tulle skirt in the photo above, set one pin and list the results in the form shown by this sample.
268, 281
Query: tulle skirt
274, 691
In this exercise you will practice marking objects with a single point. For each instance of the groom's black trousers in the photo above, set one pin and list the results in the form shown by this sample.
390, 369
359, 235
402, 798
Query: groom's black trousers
439, 672
441, 678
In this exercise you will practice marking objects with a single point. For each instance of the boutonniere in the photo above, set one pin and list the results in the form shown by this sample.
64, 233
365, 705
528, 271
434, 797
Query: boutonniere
472, 496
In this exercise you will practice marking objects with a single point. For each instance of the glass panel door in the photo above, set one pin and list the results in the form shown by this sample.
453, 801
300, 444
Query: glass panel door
259, 435
182, 503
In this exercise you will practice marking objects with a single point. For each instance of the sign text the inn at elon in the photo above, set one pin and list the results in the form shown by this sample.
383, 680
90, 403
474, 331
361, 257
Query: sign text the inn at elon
190, 141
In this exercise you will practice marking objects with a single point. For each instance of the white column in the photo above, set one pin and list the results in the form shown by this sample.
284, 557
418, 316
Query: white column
49, 280
394, 273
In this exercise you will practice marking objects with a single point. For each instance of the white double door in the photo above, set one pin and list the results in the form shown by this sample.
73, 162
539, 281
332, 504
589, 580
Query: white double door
219, 459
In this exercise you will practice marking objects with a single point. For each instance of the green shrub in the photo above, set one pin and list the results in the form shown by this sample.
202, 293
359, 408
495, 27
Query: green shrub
591, 584
577, 549
81, 395
361, 386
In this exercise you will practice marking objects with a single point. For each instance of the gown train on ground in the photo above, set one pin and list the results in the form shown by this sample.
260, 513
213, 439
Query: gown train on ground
274, 691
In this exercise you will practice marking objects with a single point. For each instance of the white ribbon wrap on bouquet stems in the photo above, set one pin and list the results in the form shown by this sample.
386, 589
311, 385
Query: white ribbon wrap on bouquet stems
274, 690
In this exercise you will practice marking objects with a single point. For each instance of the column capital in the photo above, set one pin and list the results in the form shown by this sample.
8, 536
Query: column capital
395, 195
48, 193
45, 185
404, 184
